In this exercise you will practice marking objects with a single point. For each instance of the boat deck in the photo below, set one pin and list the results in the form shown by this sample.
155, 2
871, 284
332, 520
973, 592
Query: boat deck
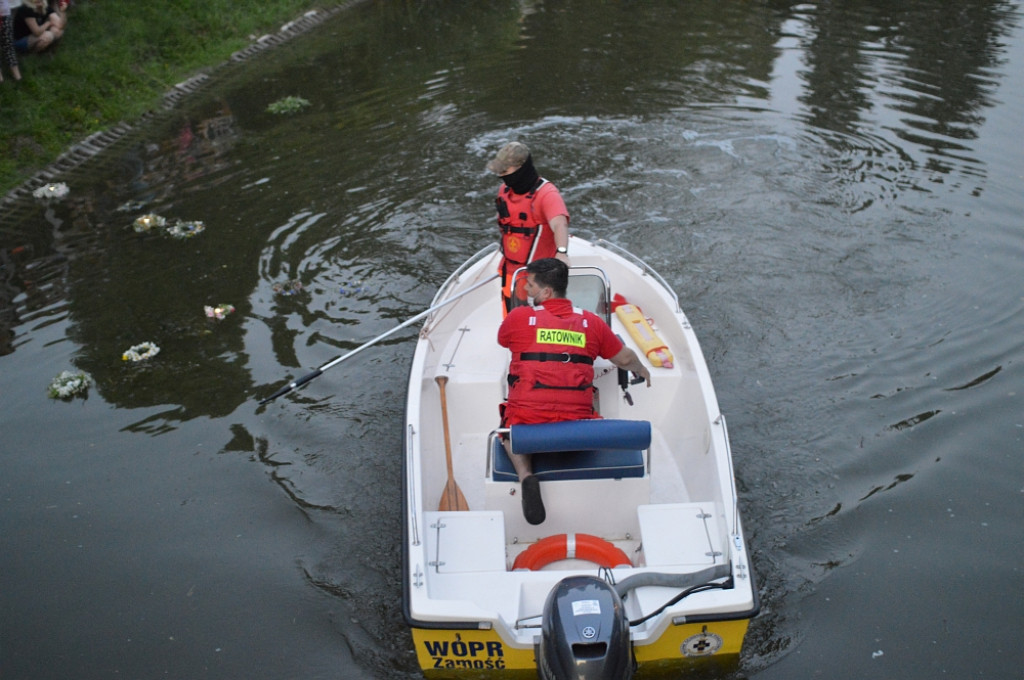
476, 367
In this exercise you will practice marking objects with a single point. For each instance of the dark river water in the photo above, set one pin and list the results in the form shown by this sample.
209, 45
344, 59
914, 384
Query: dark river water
835, 190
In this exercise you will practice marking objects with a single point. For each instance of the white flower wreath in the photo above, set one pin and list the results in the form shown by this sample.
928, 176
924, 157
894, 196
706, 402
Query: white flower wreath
68, 384
182, 229
140, 352
51, 191
144, 223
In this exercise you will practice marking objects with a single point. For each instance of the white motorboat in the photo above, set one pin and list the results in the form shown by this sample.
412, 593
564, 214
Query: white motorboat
641, 563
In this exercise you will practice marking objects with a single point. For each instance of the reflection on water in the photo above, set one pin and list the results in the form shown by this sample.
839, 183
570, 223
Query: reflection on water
889, 99
798, 172
902, 86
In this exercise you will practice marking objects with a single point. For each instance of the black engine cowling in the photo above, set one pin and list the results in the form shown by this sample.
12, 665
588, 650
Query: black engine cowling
585, 633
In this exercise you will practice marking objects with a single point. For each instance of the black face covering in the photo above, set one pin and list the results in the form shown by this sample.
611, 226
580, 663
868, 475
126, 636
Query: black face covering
522, 180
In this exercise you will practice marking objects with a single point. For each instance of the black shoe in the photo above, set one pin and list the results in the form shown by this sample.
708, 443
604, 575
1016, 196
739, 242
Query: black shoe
533, 505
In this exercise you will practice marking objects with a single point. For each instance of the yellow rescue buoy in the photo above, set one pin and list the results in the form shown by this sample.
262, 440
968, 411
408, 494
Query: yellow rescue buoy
644, 336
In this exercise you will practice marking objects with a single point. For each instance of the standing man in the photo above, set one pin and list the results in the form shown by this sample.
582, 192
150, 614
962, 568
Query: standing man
532, 217
551, 377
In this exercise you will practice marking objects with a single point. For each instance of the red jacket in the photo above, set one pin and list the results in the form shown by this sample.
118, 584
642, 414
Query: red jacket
552, 371
525, 224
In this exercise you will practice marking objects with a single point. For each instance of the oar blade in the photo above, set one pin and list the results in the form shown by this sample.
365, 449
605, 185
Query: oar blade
452, 498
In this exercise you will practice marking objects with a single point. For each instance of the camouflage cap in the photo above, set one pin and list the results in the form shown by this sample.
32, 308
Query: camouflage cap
512, 154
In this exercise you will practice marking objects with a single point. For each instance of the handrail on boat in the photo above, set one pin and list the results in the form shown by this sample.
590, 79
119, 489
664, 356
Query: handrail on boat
453, 278
648, 269
413, 506
732, 476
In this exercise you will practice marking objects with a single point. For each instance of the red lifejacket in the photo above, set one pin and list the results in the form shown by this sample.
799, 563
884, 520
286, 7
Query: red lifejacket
526, 233
525, 236
555, 373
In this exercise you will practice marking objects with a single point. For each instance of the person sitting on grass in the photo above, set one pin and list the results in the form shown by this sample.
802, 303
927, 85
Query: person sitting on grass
551, 375
38, 26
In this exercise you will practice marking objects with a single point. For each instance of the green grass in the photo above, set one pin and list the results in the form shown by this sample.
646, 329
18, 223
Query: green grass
115, 63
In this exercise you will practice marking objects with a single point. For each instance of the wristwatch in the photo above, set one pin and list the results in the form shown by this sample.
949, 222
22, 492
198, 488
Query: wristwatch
562, 249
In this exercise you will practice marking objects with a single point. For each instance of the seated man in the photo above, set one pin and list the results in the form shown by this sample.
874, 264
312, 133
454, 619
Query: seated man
551, 375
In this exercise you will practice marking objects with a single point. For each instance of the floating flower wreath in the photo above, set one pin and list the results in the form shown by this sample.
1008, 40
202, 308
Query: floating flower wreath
51, 192
353, 288
140, 352
218, 312
69, 384
147, 222
182, 229
289, 104
290, 288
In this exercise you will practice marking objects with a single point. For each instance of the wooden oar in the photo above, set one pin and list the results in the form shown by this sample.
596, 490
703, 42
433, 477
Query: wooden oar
451, 498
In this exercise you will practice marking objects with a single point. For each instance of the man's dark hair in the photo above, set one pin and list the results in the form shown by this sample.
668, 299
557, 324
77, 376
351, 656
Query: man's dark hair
550, 273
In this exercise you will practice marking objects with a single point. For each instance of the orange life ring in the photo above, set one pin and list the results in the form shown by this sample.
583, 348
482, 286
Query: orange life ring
568, 547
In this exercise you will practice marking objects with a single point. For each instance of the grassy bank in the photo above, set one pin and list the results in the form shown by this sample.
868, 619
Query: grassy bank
116, 61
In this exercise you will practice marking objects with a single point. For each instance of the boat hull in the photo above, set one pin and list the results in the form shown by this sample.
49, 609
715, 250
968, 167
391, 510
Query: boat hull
688, 590
472, 653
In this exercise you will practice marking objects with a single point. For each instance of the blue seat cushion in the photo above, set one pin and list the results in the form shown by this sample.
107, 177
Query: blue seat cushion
584, 464
581, 435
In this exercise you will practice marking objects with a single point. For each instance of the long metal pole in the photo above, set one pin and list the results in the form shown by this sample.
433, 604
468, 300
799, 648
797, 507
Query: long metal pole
334, 362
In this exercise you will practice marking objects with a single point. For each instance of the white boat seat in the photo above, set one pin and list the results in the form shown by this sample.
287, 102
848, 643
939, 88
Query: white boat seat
588, 289
575, 449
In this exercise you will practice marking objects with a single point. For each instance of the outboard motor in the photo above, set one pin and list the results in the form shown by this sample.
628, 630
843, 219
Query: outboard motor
585, 633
